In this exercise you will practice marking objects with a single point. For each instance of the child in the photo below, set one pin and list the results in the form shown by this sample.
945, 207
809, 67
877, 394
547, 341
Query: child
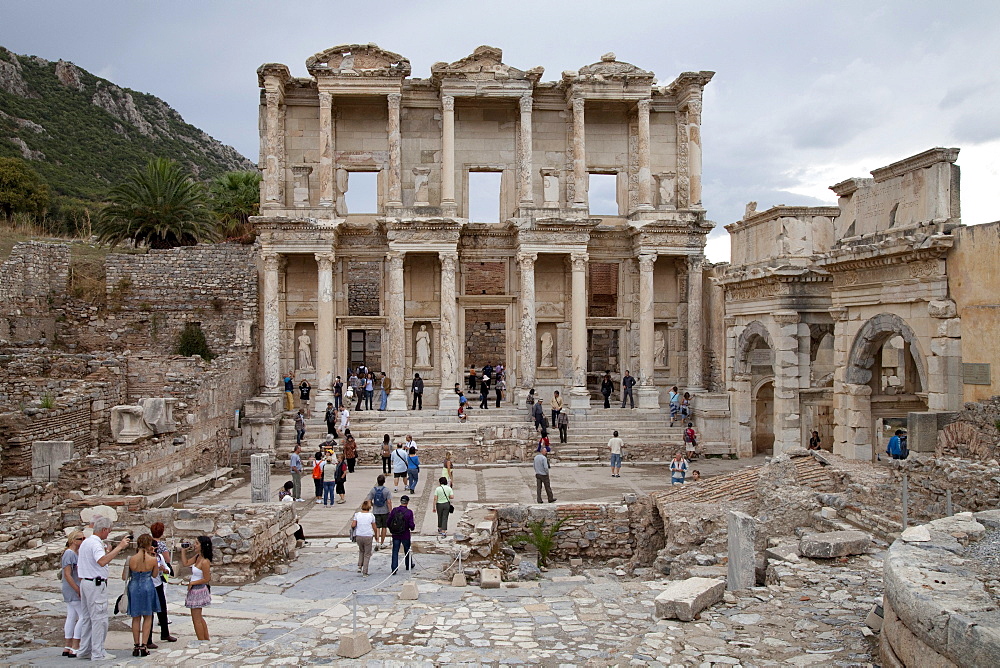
543, 442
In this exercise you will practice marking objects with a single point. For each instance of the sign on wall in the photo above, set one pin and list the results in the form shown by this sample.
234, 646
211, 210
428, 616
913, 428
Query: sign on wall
975, 373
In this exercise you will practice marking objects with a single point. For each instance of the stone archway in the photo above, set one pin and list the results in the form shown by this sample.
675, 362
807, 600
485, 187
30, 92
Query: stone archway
869, 341
763, 418
750, 339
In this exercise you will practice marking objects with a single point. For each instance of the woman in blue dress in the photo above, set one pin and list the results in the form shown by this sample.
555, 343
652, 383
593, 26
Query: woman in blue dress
142, 599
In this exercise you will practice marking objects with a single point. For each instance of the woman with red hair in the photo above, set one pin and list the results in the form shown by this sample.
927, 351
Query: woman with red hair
162, 551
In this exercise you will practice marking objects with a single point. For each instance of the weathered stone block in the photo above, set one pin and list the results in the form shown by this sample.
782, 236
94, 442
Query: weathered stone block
742, 534
686, 598
834, 544
490, 578
409, 591
354, 645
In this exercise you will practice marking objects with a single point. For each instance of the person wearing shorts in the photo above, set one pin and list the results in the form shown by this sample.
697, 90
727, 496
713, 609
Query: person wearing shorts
615, 445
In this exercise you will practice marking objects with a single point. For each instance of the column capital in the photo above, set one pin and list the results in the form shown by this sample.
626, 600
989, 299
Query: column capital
579, 261
693, 108
272, 97
272, 261
448, 257
525, 102
447, 103
526, 258
395, 259
696, 262
325, 260
577, 103
646, 261
644, 105
786, 317
325, 98
394, 99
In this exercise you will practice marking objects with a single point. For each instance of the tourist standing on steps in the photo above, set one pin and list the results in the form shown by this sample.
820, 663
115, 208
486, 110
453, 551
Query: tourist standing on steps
300, 427
330, 417
674, 398
289, 382
295, 465
500, 388
363, 523
538, 414
360, 392
628, 382
143, 567
350, 451
386, 452
71, 594
329, 481
400, 530
678, 469
370, 392
386, 386
473, 380
607, 388
338, 393
317, 473
529, 401
412, 470
381, 499
615, 445
199, 587
556, 404
398, 466
563, 427
686, 406
345, 418
442, 504
543, 442
92, 567
417, 388
305, 389
484, 392
542, 477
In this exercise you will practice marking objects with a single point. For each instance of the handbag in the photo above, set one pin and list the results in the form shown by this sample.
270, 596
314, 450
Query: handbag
451, 509
354, 530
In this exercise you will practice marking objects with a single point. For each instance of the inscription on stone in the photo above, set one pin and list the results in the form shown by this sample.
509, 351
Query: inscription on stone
975, 373
761, 357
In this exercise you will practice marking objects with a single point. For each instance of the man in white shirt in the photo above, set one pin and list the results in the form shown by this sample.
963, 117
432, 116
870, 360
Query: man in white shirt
399, 465
92, 568
615, 445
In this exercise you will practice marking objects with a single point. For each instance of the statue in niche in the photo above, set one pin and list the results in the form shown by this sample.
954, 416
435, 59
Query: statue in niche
667, 188
547, 350
342, 186
423, 347
550, 187
305, 351
659, 348
421, 175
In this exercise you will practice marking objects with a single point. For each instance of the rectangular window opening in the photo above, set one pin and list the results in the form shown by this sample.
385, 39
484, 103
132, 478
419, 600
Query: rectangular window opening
602, 193
362, 192
484, 197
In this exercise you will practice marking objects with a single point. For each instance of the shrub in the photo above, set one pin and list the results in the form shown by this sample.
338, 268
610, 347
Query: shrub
542, 537
192, 342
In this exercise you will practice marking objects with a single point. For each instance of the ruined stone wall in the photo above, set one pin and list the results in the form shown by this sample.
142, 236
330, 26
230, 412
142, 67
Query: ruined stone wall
974, 486
593, 530
974, 434
151, 297
35, 269
485, 278
485, 337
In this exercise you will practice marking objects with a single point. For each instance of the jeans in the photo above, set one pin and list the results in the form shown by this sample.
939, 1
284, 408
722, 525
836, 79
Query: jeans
543, 480
411, 478
386, 465
676, 481
329, 489
616, 461
299, 435
338, 401
555, 416
627, 395
369, 399
499, 396
408, 560
383, 400
318, 484
607, 401
418, 401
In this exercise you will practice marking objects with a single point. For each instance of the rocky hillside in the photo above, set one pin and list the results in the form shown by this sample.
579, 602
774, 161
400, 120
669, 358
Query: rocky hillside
83, 134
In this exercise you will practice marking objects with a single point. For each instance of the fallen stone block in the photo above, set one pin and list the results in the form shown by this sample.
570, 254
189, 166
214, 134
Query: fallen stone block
686, 598
490, 578
918, 534
990, 518
834, 544
961, 526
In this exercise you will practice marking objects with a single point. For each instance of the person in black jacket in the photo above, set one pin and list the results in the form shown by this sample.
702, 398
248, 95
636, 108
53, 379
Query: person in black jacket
484, 392
539, 414
628, 382
417, 387
607, 388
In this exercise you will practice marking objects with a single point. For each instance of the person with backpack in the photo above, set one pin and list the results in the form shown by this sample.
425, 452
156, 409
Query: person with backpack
363, 524
317, 473
399, 466
417, 388
412, 470
381, 499
400, 524
678, 469
331, 420
674, 399
442, 504
386, 455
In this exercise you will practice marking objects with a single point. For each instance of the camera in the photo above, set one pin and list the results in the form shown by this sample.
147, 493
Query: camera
186, 544
131, 538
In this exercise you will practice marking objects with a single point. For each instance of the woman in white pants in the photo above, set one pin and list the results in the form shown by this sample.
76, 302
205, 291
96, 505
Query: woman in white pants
71, 594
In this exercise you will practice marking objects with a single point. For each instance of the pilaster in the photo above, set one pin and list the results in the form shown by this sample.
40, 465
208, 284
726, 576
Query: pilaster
325, 339
696, 336
646, 392
272, 326
447, 399
579, 154
528, 358
394, 330
326, 148
395, 159
579, 395
524, 176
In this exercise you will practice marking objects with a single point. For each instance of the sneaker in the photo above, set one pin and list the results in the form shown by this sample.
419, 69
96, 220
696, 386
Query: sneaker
318, 501
359, 569
299, 500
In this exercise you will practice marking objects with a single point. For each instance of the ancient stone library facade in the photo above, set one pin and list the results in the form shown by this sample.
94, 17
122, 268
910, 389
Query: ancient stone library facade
846, 320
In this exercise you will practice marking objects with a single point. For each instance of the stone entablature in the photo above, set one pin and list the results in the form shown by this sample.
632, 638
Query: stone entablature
780, 236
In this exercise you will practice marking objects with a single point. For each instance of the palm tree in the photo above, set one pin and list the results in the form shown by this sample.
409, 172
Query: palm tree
235, 196
160, 206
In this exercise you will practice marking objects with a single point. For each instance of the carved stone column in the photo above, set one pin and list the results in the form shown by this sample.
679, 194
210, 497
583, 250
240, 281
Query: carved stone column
695, 349
394, 331
448, 154
326, 146
528, 360
694, 151
447, 399
395, 159
646, 392
579, 395
325, 339
271, 347
645, 174
579, 154
524, 175
273, 148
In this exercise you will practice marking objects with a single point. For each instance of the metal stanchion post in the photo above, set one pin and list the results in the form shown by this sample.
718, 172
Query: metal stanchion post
905, 495
948, 510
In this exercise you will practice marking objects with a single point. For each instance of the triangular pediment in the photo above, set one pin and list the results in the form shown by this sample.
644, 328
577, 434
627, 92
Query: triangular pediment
358, 60
483, 64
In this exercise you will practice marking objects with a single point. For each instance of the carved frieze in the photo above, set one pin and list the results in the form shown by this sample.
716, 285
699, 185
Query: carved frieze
358, 60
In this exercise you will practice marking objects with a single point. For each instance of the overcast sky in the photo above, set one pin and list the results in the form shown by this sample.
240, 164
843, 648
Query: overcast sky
806, 93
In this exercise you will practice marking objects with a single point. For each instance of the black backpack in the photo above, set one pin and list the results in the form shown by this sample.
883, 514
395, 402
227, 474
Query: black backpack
398, 524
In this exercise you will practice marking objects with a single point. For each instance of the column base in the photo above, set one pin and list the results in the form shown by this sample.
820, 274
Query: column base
272, 391
647, 396
579, 398
397, 400
447, 399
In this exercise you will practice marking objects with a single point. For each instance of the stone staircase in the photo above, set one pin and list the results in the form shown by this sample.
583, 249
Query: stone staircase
588, 433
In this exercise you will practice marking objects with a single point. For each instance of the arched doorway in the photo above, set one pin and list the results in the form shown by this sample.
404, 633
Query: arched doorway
763, 418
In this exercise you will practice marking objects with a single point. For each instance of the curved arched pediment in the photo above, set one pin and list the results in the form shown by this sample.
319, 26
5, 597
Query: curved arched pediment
754, 332
359, 60
869, 341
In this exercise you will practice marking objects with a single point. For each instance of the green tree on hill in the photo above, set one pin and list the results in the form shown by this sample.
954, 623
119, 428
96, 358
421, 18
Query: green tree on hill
159, 206
235, 196
21, 189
